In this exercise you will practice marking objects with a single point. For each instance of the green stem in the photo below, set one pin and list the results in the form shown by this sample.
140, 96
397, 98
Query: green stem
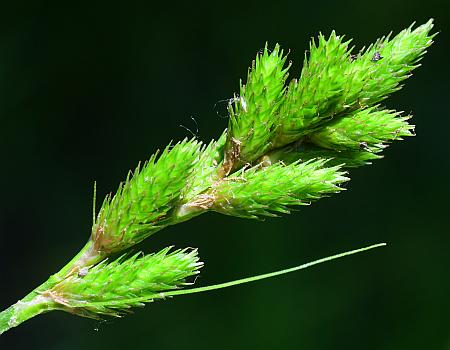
35, 302
24, 310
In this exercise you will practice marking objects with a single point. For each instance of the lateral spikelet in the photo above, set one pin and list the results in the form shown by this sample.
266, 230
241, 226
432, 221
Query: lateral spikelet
111, 288
253, 114
273, 189
142, 202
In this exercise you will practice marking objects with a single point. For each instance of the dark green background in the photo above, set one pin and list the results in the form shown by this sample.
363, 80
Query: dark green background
89, 89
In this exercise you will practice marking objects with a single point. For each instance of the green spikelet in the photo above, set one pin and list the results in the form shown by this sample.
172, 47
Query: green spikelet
334, 83
273, 189
353, 141
378, 71
368, 129
318, 94
253, 115
142, 204
110, 288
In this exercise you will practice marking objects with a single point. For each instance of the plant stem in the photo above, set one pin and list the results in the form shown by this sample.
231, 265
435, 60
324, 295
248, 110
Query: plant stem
24, 310
36, 302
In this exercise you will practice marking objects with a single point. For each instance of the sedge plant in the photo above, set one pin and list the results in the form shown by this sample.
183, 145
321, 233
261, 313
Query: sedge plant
287, 144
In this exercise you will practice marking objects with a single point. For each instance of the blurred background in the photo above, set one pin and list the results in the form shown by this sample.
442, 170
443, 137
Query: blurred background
87, 90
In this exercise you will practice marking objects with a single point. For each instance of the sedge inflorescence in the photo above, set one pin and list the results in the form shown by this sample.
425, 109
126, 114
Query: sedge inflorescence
287, 144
